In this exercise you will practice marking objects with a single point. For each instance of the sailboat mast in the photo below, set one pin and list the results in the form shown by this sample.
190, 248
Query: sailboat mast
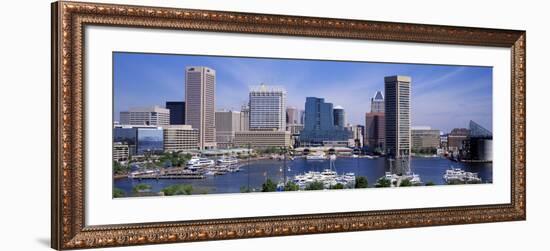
284, 165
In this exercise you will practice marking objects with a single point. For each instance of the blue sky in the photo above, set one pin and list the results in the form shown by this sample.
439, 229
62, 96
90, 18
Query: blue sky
443, 97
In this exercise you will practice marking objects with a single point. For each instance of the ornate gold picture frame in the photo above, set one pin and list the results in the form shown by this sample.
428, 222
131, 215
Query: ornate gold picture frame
69, 20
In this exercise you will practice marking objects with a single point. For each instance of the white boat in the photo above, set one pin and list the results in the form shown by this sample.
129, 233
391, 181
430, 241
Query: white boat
328, 177
193, 161
206, 162
395, 179
459, 176
196, 163
234, 169
139, 173
210, 173
316, 156
227, 161
413, 178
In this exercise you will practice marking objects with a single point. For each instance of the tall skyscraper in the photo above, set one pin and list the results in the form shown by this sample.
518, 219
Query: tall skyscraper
177, 112
227, 123
375, 124
267, 108
339, 116
154, 115
398, 116
377, 102
200, 103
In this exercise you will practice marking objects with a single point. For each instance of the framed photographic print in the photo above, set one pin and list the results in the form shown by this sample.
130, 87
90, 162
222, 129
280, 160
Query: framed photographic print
176, 125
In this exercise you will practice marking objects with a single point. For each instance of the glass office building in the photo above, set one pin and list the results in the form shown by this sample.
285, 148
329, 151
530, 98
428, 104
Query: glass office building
140, 140
319, 124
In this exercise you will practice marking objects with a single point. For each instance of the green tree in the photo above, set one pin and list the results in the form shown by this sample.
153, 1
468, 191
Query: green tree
179, 189
141, 187
405, 183
118, 193
383, 182
361, 182
119, 168
430, 183
245, 189
316, 185
269, 186
337, 186
291, 186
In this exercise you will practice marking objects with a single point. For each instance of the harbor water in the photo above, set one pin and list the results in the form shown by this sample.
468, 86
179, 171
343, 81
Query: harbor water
253, 175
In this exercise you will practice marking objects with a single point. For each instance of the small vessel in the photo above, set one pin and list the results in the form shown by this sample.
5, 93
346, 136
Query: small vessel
227, 161
210, 172
136, 174
316, 156
328, 177
193, 161
459, 176
196, 163
235, 169
396, 179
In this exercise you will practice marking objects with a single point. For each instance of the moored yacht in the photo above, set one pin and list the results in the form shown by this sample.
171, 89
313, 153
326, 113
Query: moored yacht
328, 177
227, 161
196, 163
459, 176
316, 156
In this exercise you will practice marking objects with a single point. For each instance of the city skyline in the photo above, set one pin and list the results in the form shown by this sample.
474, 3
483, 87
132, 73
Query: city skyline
443, 97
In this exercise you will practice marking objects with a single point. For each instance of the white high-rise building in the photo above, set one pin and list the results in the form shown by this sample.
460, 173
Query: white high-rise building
200, 103
398, 116
154, 115
267, 108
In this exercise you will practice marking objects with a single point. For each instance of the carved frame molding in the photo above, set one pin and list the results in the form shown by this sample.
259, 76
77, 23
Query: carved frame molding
68, 22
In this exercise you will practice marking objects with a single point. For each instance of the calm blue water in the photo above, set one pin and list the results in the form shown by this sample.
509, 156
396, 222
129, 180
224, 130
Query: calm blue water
429, 169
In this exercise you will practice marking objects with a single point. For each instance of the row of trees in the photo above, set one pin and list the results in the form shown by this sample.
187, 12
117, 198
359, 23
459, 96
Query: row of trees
174, 159
119, 168
142, 188
429, 150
